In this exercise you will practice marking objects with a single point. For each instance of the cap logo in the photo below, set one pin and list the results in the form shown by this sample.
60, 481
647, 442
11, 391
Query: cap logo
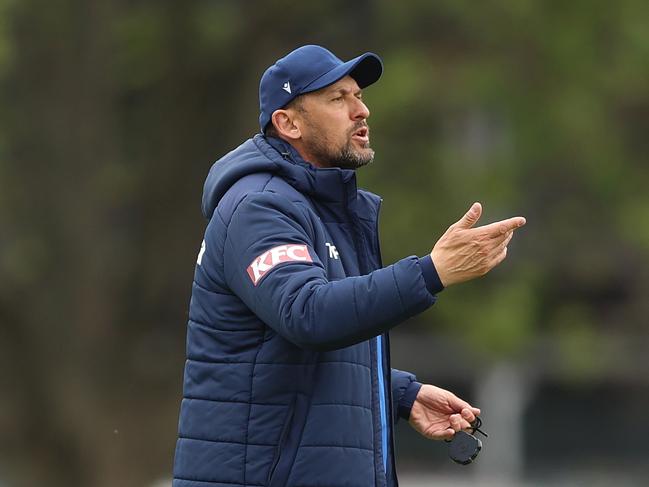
287, 87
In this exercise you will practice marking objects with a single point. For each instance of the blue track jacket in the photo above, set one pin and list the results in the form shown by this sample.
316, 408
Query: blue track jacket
288, 380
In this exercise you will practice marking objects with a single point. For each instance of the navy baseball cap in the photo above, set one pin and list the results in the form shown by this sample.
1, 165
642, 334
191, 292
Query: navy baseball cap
309, 68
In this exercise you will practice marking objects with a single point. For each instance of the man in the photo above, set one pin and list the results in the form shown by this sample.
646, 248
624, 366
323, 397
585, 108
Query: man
288, 379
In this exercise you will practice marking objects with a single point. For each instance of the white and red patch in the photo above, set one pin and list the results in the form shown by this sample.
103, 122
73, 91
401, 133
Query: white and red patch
269, 259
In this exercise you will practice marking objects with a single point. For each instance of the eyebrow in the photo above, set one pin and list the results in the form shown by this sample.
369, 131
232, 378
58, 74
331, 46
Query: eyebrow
344, 91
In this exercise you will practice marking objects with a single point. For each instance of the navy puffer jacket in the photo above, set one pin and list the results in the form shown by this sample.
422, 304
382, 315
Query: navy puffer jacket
287, 379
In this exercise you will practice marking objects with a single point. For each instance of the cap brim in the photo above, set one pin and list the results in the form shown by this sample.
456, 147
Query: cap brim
365, 69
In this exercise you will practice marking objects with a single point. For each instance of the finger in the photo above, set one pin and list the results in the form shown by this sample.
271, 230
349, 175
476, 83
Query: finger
470, 217
446, 435
468, 415
457, 423
459, 405
500, 238
499, 258
500, 228
466, 425
495, 252
495, 243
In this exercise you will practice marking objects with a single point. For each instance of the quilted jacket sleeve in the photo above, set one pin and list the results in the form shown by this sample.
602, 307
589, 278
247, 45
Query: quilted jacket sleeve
291, 293
404, 392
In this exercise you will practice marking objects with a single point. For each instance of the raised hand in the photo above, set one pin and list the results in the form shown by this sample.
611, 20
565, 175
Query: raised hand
464, 253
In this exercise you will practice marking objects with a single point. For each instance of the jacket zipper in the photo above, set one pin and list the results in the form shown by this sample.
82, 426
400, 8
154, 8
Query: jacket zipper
382, 406
379, 362
379, 357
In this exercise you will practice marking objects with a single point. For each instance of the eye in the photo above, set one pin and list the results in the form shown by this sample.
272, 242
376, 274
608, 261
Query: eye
338, 98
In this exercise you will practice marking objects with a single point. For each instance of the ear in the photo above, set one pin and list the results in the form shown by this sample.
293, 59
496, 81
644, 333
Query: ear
284, 122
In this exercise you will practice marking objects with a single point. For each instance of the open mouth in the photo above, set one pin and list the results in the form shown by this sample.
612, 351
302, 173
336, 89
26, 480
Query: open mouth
362, 134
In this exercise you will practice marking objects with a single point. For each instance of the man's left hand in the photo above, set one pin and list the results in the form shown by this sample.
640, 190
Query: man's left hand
438, 414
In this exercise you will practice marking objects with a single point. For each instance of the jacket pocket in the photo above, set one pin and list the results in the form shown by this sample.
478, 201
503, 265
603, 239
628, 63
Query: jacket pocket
288, 443
282, 440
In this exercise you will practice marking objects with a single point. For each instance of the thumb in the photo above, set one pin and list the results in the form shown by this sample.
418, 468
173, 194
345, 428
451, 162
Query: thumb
470, 217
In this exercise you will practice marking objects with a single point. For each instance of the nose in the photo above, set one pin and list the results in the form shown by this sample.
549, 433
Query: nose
360, 110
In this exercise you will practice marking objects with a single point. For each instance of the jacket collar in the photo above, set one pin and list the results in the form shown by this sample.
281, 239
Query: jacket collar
332, 185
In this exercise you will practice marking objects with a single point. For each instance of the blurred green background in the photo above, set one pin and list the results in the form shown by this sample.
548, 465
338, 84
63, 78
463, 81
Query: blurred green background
111, 113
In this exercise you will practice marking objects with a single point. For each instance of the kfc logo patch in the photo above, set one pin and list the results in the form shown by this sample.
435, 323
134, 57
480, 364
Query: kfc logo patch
269, 259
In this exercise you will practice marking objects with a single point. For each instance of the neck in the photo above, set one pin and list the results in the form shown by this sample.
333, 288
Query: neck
304, 153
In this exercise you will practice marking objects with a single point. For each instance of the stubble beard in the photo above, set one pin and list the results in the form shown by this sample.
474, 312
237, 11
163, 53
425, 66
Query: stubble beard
345, 157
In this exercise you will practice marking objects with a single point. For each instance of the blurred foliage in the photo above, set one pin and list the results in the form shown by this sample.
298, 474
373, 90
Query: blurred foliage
113, 112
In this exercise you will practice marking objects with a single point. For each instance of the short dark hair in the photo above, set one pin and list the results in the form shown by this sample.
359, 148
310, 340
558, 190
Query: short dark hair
296, 104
